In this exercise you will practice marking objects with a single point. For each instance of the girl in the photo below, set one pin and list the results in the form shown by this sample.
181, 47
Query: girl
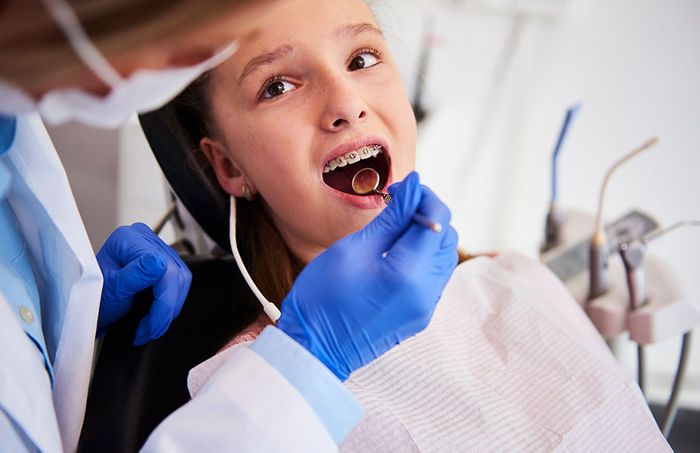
508, 362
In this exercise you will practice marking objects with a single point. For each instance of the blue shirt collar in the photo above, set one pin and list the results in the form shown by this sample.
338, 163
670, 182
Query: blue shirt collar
8, 126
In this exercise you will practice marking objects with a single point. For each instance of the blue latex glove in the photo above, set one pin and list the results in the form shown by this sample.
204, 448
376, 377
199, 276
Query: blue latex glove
351, 304
132, 259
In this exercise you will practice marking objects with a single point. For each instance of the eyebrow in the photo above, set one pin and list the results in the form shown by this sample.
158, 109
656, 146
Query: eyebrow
282, 51
356, 29
261, 60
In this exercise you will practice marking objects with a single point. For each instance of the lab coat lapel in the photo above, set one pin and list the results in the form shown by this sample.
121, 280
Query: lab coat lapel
69, 277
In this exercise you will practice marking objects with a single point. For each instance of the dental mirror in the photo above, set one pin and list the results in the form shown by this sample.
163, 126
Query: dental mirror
366, 182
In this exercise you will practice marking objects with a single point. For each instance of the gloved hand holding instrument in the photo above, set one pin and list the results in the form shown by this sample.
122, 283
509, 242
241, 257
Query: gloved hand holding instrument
376, 287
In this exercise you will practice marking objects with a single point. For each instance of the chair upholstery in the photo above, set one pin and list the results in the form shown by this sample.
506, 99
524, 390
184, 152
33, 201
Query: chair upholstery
134, 388
195, 186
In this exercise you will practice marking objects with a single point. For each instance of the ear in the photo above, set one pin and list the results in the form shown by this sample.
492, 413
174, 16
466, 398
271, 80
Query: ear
228, 173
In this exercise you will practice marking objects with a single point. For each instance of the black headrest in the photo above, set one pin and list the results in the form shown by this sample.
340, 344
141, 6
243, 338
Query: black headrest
197, 190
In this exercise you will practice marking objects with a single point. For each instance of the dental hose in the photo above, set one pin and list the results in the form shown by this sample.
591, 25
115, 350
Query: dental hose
672, 404
269, 308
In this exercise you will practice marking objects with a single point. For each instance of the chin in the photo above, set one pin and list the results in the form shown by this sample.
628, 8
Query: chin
362, 219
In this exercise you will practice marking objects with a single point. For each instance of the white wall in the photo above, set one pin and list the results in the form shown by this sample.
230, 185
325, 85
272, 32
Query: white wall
90, 159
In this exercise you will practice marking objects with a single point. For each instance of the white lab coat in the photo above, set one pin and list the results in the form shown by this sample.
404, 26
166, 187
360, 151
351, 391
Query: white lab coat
247, 406
68, 276
250, 406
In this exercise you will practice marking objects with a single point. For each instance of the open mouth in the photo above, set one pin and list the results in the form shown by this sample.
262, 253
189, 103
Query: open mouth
339, 172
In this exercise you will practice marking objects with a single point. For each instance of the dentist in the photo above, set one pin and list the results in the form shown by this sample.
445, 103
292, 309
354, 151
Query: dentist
53, 300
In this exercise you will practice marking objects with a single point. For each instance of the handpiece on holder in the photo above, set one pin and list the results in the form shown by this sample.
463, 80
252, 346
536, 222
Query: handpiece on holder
632, 254
552, 229
599, 248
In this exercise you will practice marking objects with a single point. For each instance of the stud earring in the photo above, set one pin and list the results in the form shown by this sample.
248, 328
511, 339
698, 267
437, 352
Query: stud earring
246, 193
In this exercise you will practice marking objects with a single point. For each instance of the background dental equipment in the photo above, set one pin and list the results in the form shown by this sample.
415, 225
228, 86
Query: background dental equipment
639, 293
553, 223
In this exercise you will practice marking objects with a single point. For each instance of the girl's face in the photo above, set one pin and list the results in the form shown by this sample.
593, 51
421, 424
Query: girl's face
312, 89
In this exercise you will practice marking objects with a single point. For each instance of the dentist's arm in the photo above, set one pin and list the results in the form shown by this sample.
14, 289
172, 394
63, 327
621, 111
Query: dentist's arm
365, 294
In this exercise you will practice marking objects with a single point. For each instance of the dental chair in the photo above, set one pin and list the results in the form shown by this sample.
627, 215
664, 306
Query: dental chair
134, 388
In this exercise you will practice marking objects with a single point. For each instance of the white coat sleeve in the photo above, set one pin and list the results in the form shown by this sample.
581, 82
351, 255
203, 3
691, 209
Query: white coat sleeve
254, 404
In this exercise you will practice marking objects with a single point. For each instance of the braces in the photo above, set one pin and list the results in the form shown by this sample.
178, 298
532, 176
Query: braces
352, 157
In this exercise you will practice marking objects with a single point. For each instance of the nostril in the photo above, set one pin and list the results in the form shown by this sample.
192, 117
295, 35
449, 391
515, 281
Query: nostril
347, 120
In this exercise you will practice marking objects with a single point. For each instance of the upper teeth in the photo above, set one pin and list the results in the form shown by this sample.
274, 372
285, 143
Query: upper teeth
353, 156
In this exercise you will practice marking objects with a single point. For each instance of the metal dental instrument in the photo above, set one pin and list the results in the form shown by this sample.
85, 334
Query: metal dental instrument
366, 182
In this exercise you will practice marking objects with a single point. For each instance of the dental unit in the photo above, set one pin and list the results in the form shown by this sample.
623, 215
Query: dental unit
638, 294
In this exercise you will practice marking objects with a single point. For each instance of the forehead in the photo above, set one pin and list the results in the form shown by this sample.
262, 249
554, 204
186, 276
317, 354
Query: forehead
305, 23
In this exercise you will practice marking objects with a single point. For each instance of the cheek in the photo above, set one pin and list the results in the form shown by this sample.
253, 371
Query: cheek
278, 164
270, 148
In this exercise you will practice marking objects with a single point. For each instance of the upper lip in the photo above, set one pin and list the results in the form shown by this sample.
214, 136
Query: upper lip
353, 145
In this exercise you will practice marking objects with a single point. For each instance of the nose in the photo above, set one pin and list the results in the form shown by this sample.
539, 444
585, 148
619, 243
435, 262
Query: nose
344, 105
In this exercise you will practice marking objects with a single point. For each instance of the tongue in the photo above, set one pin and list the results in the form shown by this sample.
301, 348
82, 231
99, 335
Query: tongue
341, 178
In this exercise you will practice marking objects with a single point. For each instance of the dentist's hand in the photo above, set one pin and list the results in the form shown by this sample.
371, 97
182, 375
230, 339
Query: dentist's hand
354, 301
132, 259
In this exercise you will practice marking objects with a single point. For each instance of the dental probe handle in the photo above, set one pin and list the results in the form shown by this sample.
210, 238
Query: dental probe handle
420, 218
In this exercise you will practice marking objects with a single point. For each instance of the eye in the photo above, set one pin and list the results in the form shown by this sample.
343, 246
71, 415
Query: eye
365, 59
276, 87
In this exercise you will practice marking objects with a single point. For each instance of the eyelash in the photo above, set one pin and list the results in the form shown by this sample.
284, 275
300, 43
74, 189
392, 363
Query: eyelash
268, 83
377, 54
280, 78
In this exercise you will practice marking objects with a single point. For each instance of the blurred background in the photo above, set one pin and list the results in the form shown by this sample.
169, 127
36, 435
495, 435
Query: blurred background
494, 79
